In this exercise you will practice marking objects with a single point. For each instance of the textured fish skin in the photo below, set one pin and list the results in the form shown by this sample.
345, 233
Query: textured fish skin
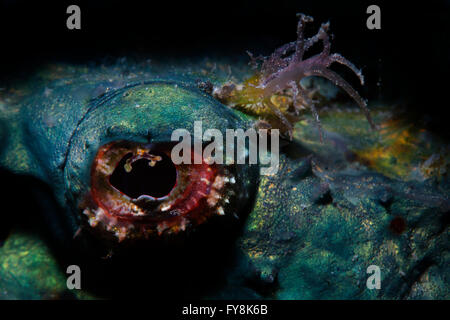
312, 230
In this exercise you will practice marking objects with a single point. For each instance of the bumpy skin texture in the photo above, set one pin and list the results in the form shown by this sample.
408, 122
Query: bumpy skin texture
58, 130
322, 243
314, 228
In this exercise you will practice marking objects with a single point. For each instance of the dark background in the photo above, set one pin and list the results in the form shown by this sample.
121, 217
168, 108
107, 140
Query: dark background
406, 61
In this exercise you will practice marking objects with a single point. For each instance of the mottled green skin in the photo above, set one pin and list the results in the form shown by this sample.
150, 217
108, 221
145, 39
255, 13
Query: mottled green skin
321, 250
314, 229
55, 132
30, 271
336, 224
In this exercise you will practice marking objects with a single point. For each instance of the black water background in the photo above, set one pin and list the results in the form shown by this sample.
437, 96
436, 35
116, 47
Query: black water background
406, 61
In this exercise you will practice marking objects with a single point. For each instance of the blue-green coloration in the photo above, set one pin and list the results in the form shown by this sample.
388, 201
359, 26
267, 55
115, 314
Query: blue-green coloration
312, 229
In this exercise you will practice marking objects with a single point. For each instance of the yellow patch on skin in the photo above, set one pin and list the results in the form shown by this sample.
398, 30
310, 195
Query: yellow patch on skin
395, 154
250, 99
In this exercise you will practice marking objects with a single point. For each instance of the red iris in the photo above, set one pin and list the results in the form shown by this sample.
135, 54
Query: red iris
137, 191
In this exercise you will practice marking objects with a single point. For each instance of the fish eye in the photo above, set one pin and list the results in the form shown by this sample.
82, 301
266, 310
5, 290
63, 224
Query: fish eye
129, 189
137, 191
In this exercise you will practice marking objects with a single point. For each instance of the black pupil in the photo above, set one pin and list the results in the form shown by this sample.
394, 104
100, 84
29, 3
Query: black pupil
156, 181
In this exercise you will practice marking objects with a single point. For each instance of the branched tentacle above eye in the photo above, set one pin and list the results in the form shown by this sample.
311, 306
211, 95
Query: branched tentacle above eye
336, 57
322, 34
281, 73
299, 90
300, 45
282, 117
340, 82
